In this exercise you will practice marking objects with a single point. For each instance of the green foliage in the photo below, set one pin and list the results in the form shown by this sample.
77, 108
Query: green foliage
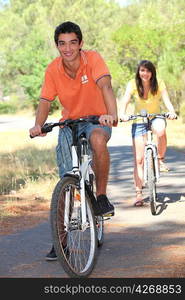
156, 32
29, 46
145, 29
7, 108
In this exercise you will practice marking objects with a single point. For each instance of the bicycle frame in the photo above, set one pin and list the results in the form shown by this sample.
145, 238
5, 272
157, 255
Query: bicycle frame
81, 170
151, 145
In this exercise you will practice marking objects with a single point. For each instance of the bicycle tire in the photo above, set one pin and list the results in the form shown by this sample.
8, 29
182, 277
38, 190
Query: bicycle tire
99, 221
100, 230
76, 249
151, 181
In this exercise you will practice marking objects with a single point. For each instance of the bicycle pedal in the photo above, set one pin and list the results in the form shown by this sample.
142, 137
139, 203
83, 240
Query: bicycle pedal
106, 218
108, 215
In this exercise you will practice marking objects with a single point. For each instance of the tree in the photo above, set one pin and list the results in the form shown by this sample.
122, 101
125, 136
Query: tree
29, 45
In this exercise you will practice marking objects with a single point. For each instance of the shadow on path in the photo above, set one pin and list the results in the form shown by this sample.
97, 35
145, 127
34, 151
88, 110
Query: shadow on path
137, 244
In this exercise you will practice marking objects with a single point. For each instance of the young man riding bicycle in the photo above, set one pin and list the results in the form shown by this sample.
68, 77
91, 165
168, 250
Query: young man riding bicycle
82, 82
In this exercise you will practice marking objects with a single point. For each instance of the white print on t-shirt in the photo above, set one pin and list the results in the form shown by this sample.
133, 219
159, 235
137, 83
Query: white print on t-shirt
84, 79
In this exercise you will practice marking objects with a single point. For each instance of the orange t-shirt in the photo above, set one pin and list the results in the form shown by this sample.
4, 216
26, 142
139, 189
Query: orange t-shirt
80, 96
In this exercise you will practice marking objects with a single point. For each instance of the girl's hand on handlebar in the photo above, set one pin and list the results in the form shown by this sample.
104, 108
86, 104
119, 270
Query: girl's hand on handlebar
124, 118
171, 115
36, 131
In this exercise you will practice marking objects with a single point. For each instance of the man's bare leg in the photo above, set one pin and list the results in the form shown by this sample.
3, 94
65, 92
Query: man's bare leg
101, 164
101, 159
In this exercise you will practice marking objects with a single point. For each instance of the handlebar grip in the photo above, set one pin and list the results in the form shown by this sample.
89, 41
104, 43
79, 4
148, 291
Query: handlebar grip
47, 128
167, 115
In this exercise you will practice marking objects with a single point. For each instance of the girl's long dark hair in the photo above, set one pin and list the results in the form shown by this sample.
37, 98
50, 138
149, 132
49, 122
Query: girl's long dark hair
153, 81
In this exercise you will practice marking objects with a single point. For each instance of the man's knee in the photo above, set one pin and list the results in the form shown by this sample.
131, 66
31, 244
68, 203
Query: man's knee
99, 138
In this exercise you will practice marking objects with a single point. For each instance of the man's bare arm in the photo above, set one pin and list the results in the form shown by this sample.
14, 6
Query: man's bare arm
41, 116
110, 101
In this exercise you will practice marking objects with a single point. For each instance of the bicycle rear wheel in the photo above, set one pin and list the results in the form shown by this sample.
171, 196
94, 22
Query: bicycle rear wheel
75, 247
151, 181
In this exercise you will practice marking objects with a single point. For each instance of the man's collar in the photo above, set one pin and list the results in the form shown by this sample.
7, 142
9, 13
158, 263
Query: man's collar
83, 62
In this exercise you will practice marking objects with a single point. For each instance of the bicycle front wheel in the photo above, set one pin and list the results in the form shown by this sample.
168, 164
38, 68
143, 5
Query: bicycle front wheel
98, 219
75, 246
151, 181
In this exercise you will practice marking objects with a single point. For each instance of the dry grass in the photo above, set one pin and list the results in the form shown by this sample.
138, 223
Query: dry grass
17, 213
27, 178
176, 134
25, 161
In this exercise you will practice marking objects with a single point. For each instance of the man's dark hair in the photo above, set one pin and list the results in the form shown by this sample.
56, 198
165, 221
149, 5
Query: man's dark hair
153, 81
67, 27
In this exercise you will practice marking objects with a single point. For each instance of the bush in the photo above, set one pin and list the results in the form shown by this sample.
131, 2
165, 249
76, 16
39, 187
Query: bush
7, 108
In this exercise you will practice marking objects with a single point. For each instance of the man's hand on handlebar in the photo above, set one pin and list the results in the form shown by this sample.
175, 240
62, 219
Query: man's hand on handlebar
107, 120
36, 131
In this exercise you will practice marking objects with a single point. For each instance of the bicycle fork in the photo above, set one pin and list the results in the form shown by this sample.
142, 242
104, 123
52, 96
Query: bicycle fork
82, 173
156, 165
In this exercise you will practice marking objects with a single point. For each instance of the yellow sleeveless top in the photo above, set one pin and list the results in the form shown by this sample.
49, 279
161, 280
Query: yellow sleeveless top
152, 103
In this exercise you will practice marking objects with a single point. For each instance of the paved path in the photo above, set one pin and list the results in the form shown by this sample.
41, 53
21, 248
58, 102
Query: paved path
137, 244
15, 122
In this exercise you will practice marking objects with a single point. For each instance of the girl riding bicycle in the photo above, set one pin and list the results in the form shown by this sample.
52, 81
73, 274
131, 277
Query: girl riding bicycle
147, 92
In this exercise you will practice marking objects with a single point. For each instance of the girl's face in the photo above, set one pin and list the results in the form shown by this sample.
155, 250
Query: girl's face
145, 74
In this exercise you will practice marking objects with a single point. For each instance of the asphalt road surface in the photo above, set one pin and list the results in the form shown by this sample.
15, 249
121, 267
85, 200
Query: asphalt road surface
137, 244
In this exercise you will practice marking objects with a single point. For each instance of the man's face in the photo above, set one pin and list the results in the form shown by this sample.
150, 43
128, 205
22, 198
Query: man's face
68, 46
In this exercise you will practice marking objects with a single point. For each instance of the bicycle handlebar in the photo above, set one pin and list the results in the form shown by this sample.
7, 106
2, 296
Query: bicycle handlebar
144, 114
47, 127
133, 117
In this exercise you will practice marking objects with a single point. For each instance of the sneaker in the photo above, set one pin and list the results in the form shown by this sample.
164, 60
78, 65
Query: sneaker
97, 209
106, 208
51, 256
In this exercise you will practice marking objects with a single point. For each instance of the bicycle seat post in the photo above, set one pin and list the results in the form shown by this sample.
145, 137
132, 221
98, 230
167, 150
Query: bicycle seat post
75, 162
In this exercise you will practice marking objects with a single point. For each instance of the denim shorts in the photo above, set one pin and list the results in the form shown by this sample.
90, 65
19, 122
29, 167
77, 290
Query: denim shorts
63, 149
139, 129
